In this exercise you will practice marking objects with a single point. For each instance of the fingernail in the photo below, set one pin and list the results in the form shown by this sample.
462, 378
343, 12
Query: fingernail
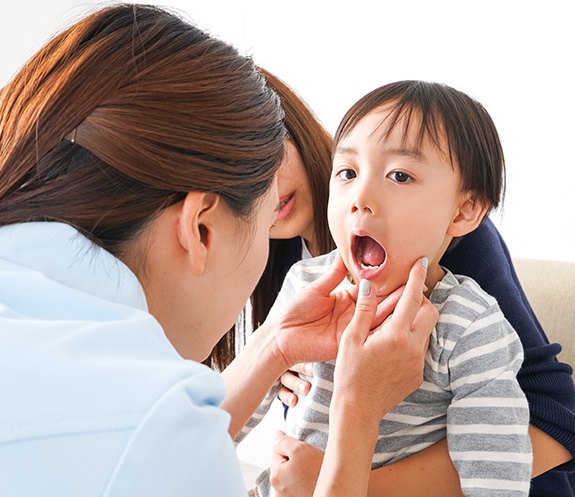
364, 288
424, 262
301, 387
292, 400
308, 368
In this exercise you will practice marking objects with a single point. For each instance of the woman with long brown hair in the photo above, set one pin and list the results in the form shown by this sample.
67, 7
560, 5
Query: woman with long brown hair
138, 164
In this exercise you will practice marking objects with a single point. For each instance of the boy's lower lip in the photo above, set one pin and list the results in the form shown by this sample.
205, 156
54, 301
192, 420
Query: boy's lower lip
286, 206
367, 274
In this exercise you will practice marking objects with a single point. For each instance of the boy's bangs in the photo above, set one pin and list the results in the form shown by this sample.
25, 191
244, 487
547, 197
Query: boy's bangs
426, 120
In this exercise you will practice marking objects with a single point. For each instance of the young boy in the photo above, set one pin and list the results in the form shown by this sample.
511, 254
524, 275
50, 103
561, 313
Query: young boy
416, 166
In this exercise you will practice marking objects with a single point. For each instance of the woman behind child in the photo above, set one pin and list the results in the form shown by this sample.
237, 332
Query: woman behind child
492, 200
301, 228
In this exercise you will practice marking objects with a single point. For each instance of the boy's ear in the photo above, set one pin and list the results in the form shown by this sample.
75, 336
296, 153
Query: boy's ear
196, 227
468, 216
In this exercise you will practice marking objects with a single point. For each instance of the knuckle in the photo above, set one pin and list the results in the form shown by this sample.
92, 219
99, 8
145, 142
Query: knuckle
364, 306
275, 481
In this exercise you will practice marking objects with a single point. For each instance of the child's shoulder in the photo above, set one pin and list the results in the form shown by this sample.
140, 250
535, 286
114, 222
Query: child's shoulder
311, 269
304, 272
457, 291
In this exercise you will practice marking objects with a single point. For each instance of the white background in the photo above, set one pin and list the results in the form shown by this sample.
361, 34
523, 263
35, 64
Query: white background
515, 56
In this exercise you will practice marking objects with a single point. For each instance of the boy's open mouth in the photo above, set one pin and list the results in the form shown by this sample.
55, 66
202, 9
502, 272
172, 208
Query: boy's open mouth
369, 254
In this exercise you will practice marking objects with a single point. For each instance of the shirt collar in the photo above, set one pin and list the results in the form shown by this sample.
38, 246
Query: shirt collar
65, 255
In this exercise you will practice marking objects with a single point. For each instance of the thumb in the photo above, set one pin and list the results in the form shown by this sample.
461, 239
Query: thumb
360, 325
283, 447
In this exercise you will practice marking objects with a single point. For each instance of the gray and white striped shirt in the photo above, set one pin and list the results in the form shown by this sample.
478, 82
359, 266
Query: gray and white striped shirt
470, 393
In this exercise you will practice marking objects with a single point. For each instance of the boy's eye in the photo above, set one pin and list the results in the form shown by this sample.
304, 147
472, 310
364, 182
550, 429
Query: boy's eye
346, 174
400, 177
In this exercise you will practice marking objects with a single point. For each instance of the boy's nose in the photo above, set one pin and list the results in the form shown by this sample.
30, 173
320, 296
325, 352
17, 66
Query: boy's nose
364, 201
359, 207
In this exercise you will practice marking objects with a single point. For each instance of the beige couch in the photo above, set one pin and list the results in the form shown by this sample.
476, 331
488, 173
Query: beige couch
550, 288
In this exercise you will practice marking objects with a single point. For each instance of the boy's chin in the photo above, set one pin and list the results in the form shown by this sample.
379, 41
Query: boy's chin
381, 289
384, 288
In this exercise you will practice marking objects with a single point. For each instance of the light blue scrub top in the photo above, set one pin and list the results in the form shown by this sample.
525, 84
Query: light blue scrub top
94, 399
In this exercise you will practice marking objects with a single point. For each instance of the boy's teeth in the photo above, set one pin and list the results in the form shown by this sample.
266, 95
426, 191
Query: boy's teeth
367, 267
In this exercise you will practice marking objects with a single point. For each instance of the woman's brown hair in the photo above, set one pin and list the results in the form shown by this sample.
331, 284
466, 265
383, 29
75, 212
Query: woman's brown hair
126, 111
314, 145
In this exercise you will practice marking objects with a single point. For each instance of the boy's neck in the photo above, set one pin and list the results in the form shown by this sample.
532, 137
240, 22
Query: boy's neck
435, 274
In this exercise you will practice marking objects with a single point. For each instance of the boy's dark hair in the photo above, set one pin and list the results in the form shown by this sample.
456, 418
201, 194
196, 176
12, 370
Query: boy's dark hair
473, 143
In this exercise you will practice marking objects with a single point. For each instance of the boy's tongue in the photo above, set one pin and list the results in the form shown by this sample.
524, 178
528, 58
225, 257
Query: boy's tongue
371, 252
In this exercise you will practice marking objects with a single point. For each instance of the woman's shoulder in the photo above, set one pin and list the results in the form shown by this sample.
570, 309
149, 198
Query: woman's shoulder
70, 377
181, 446
126, 432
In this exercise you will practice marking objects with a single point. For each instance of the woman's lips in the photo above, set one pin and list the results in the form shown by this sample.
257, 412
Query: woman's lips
285, 206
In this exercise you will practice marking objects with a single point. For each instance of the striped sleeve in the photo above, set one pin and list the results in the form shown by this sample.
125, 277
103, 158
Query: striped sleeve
487, 421
261, 411
299, 276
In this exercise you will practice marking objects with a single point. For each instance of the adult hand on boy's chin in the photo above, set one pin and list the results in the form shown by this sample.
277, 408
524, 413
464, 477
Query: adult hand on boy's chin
365, 387
309, 326
385, 304
294, 467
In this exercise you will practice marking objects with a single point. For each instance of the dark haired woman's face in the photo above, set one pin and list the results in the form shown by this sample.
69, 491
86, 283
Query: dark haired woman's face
239, 264
295, 216
202, 262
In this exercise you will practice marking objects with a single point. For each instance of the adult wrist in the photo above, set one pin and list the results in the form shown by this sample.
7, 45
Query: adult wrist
266, 348
355, 413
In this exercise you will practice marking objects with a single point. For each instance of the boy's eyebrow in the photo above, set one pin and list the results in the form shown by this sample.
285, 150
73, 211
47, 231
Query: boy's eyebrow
344, 150
409, 152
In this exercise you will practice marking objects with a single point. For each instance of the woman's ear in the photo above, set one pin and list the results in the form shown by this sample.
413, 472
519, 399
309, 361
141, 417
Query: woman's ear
468, 216
196, 227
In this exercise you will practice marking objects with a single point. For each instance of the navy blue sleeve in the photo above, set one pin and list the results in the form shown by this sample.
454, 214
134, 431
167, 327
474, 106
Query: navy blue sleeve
547, 383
